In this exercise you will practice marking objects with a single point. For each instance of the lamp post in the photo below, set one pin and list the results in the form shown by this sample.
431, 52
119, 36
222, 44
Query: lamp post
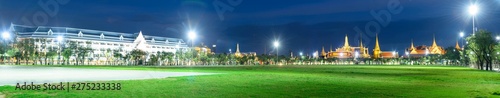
276, 45
59, 40
462, 37
300, 53
192, 37
5, 36
473, 10
408, 55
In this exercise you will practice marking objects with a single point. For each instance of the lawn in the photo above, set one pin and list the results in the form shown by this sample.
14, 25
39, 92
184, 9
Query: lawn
299, 81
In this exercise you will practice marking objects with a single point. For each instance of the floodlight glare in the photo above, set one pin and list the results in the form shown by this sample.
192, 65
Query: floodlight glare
473, 9
192, 35
5, 35
59, 38
276, 44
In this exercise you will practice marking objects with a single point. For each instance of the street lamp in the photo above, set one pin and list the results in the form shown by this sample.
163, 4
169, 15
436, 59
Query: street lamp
462, 36
5, 35
408, 55
59, 40
473, 10
192, 36
426, 52
276, 45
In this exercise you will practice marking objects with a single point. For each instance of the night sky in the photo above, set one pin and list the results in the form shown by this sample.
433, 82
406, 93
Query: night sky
300, 25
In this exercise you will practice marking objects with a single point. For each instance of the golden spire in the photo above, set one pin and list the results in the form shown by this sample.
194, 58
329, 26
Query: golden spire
377, 46
362, 49
457, 46
376, 50
323, 51
331, 48
346, 44
434, 41
237, 48
412, 46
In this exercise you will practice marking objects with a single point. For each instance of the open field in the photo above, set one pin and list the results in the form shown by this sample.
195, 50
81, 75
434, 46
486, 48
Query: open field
298, 81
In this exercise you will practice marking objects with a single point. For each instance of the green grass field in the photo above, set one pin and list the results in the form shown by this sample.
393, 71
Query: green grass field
299, 81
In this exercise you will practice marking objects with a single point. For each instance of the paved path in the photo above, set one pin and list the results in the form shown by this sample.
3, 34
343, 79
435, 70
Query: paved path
11, 75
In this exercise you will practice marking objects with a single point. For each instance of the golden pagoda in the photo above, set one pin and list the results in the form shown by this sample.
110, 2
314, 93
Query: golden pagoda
203, 49
242, 54
425, 50
323, 53
347, 51
412, 49
435, 49
457, 46
237, 53
377, 53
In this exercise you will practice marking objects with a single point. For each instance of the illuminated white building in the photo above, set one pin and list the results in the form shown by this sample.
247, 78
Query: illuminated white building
101, 41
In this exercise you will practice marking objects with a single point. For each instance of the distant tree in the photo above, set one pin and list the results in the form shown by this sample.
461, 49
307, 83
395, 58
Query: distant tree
137, 55
11, 53
51, 55
117, 55
452, 54
153, 59
84, 51
66, 54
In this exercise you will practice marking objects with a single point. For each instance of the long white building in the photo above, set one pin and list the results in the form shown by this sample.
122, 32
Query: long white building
100, 40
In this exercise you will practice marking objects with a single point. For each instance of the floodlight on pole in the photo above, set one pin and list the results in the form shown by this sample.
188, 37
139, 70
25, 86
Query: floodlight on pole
5, 35
276, 45
462, 34
192, 35
473, 10
60, 38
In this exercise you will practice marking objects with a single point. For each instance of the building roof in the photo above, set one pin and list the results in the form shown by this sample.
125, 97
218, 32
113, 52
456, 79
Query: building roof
87, 34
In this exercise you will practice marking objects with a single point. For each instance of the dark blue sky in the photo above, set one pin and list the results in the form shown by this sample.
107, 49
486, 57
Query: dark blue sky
301, 25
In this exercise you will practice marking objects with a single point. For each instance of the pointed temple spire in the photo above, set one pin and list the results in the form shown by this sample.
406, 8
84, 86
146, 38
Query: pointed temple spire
412, 46
237, 48
376, 50
323, 51
361, 42
457, 46
377, 46
434, 41
346, 44
331, 48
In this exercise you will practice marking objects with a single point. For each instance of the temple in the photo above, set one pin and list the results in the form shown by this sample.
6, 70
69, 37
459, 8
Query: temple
458, 47
423, 50
202, 48
347, 51
241, 54
377, 53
